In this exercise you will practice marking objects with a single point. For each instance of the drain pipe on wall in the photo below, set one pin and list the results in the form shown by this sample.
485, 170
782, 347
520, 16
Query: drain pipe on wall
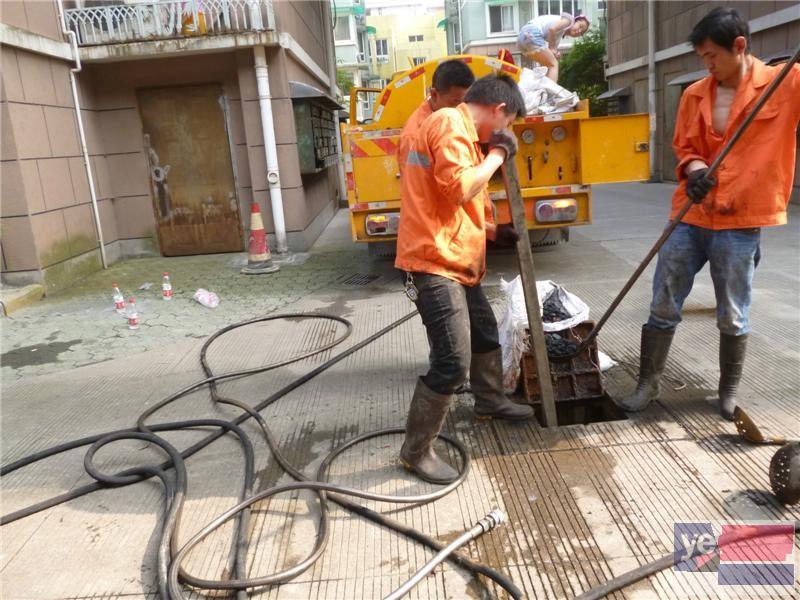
270, 148
651, 85
73, 42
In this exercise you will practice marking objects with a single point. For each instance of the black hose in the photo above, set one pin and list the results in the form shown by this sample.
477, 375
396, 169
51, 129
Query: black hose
169, 556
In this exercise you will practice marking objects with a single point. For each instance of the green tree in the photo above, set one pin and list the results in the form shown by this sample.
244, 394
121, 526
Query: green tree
582, 70
345, 81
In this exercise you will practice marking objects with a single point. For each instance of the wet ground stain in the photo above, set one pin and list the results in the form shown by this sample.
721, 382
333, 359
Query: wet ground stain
37, 354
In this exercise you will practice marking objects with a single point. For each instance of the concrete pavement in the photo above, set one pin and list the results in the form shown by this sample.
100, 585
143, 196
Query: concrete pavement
585, 502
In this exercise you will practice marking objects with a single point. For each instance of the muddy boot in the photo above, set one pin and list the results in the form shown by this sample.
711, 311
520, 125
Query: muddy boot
731, 360
486, 372
425, 418
652, 358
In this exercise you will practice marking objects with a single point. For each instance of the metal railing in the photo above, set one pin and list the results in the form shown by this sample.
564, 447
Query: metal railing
133, 20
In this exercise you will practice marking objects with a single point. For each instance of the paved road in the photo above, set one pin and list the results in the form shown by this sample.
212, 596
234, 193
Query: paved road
585, 502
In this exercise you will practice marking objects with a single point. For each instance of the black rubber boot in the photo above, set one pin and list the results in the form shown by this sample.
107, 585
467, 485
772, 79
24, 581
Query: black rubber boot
652, 359
425, 418
731, 360
486, 377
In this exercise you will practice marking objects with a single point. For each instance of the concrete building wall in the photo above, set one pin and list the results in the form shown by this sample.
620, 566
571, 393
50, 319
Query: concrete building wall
48, 231
303, 21
627, 41
36, 16
301, 194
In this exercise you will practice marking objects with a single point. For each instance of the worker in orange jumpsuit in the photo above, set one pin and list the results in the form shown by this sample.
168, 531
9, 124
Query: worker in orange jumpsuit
751, 190
450, 83
441, 247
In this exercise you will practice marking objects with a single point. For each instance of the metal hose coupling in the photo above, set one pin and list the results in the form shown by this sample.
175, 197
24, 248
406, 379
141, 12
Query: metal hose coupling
485, 525
494, 519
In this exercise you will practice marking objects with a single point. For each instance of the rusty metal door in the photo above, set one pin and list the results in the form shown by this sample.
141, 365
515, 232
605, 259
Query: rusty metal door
191, 171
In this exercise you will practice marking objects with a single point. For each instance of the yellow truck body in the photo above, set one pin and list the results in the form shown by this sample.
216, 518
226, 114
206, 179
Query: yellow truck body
560, 156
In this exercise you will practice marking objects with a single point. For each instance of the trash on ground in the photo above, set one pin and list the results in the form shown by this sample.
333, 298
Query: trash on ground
146, 286
132, 314
557, 303
206, 298
606, 362
166, 287
543, 95
119, 299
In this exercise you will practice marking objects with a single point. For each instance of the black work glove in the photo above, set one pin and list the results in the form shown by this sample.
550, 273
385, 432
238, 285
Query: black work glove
506, 235
698, 185
503, 138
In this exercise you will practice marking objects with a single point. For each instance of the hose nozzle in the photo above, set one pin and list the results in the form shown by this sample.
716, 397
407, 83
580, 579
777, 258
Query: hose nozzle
494, 519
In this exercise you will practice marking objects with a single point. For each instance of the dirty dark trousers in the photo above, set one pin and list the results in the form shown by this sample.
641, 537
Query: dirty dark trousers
459, 321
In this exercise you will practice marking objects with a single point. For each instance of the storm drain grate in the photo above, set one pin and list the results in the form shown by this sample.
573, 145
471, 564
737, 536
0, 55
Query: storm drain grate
360, 279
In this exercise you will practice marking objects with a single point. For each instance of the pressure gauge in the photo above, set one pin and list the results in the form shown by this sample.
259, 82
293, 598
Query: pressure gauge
558, 133
528, 136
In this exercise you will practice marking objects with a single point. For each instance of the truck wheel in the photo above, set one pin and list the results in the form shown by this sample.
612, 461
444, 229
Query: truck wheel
545, 240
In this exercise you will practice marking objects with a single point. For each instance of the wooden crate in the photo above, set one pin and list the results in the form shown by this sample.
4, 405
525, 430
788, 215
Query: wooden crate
578, 378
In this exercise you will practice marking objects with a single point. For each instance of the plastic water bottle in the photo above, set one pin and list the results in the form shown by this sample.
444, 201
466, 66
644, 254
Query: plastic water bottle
133, 315
166, 287
119, 299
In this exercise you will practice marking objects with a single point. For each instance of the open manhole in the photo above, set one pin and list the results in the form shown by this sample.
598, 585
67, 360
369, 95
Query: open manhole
600, 409
360, 279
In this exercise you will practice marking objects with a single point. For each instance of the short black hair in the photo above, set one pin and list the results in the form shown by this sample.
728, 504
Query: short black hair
452, 73
496, 89
722, 26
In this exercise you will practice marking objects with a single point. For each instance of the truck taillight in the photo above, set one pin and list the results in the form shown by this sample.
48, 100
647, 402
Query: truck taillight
556, 211
382, 224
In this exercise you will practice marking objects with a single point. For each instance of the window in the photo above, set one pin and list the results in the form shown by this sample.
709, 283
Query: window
501, 19
419, 60
556, 7
382, 50
415, 38
341, 32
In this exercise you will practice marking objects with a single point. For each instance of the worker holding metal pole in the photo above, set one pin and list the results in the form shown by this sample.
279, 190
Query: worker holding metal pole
445, 221
748, 191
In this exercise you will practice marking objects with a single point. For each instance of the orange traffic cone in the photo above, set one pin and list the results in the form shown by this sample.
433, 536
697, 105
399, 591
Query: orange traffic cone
259, 258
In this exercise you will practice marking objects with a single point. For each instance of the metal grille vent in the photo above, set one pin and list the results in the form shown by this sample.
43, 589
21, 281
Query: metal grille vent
360, 279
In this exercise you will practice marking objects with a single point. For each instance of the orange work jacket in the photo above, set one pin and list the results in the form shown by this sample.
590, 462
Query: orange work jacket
442, 232
754, 181
410, 131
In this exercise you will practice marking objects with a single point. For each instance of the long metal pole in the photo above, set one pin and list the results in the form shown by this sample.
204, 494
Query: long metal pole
73, 39
674, 222
528, 275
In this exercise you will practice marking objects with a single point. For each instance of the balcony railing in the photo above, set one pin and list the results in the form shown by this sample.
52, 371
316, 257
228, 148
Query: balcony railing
134, 21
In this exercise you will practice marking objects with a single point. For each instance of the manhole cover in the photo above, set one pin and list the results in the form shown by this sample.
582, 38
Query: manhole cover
360, 279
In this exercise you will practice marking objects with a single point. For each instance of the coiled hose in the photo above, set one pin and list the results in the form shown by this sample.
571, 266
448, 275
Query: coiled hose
169, 556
